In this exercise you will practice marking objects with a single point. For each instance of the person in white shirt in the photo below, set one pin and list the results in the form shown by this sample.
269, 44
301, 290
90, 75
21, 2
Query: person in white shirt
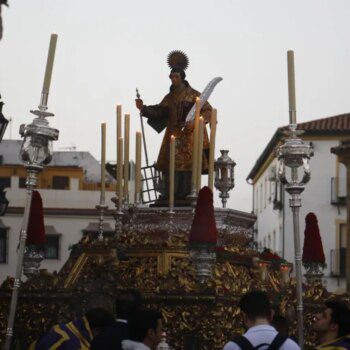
257, 315
145, 331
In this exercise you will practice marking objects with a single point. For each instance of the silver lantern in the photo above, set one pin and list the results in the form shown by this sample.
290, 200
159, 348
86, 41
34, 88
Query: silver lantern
224, 176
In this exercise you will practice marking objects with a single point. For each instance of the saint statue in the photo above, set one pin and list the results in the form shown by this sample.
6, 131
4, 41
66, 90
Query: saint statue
170, 114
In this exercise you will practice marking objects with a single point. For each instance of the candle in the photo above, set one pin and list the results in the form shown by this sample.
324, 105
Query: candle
49, 63
119, 121
138, 167
126, 155
103, 162
172, 172
119, 134
195, 144
200, 153
291, 87
120, 173
213, 121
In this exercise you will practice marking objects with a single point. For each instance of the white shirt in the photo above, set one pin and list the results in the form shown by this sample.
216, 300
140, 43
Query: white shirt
262, 334
134, 345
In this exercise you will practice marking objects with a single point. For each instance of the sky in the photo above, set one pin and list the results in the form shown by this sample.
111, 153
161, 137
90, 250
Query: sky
108, 48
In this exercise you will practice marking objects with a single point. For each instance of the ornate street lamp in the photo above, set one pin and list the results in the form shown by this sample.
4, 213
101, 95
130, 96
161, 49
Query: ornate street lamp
293, 154
3, 202
224, 176
36, 151
3, 121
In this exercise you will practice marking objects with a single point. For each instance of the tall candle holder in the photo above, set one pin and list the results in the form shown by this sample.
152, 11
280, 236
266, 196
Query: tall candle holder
294, 153
133, 211
118, 215
170, 226
102, 207
126, 203
192, 197
36, 151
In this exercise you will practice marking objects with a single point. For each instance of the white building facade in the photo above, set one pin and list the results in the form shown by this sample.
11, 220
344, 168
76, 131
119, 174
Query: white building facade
324, 195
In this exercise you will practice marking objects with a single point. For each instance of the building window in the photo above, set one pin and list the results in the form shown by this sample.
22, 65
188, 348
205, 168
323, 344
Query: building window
5, 181
265, 199
269, 242
52, 246
60, 182
274, 240
22, 182
256, 201
261, 197
3, 245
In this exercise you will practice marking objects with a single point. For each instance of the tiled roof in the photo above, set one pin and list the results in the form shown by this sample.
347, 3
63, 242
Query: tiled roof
9, 152
336, 125
339, 123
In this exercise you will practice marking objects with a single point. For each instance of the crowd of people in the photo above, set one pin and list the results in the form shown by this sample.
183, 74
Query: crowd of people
138, 329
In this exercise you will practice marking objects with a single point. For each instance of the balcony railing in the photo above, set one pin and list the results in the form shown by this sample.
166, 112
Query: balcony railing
338, 266
338, 190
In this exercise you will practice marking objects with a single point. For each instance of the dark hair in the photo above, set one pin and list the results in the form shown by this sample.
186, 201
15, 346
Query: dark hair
141, 322
99, 318
340, 316
180, 71
128, 302
255, 304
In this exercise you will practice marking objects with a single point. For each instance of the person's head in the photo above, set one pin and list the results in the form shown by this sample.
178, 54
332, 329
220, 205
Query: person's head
128, 302
256, 307
98, 318
333, 322
177, 77
146, 327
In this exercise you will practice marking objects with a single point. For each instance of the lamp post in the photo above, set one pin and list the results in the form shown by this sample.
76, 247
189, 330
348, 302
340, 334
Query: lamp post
224, 176
36, 151
294, 153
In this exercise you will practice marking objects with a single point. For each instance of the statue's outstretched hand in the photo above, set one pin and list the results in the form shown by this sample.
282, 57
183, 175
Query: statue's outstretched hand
139, 103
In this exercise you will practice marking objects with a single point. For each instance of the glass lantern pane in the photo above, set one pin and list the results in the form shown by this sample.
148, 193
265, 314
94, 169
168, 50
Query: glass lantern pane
224, 174
36, 149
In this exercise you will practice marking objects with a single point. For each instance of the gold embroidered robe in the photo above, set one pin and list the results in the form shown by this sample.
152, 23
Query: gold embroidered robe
171, 113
